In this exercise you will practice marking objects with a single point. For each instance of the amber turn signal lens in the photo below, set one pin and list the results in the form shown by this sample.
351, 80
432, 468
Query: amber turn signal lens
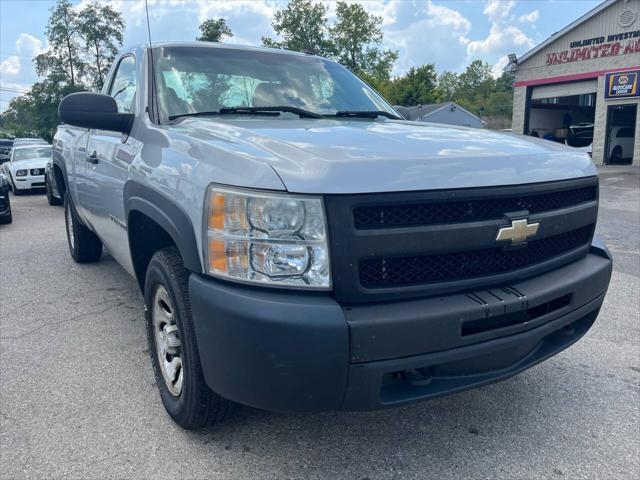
217, 255
216, 211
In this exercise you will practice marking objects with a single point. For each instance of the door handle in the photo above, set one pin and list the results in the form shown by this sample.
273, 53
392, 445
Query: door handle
93, 158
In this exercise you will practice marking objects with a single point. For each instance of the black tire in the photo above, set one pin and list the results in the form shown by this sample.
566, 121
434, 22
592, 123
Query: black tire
616, 156
195, 406
16, 192
50, 198
86, 246
6, 219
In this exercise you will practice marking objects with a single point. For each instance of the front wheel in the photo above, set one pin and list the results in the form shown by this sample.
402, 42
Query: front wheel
172, 345
84, 245
8, 218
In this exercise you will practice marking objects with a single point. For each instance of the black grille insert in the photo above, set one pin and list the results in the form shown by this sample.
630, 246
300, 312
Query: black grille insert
491, 323
459, 211
388, 272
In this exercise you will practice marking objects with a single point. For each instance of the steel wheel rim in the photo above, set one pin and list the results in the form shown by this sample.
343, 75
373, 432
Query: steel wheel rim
167, 339
70, 228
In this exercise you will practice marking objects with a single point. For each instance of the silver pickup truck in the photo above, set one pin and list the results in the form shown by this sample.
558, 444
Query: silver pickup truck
301, 247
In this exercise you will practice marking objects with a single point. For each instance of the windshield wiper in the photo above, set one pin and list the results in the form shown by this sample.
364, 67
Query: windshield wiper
301, 112
192, 114
366, 114
271, 111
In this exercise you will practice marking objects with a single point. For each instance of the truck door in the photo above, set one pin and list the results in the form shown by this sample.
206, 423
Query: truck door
109, 156
75, 149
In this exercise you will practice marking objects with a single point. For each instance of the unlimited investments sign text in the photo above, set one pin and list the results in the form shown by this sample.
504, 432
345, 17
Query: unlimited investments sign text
598, 47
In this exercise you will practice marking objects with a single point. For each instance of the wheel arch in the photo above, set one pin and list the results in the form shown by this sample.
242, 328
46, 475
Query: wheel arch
60, 174
153, 222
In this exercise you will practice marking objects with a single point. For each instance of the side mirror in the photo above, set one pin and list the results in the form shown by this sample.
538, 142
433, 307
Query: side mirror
94, 110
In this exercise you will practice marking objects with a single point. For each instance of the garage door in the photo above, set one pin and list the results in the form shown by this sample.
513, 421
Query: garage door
565, 89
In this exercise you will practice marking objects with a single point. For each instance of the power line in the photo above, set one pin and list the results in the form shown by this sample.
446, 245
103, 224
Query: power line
10, 54
15, 59
13, 90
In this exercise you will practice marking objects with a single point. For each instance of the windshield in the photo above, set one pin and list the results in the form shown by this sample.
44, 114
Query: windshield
204, 79
20, 154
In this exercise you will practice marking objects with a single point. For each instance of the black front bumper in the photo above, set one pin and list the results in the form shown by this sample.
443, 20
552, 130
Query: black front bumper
304, 352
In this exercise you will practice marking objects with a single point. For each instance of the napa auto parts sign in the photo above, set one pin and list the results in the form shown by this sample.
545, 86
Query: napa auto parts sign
598, 47
622, 84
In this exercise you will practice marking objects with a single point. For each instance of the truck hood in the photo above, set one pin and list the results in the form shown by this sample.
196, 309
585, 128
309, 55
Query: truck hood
363, 155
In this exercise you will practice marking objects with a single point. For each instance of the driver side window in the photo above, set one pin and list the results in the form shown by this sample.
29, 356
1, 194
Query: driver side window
123, 86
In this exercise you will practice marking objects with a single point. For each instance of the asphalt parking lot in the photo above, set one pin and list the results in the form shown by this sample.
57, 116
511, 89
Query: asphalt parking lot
78, 400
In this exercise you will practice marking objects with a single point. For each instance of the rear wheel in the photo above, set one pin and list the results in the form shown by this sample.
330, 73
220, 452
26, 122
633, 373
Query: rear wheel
84, 245
50, 197
172, 345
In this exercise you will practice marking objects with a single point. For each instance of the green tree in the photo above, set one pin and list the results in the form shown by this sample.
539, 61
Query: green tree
356, 37
214, 30
64, 59
476, 90
418, 86
475, 84
448, 86
101, 28
36, 113
303, 27
504, 83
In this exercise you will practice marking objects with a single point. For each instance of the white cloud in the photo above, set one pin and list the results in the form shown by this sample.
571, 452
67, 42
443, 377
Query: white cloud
499, 66
530, 17
17, 71
503, 37
498, 9
451, 18
10, 67
28, 45
500, 38
433, 34
224, 8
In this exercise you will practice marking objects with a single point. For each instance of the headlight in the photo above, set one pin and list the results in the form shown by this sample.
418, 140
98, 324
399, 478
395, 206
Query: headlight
266, 238
21, 173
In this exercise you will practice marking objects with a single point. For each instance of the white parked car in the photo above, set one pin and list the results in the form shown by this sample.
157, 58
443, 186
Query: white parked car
620, 144
25, 168
588, 149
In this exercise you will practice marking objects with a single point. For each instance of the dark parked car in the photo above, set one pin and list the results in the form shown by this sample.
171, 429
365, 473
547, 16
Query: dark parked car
54, 197
5, 202
5, 149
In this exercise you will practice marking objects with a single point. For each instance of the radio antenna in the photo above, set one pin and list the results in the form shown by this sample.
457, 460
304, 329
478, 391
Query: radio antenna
154, 110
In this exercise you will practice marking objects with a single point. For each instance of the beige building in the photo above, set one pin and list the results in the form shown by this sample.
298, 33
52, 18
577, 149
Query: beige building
582, 85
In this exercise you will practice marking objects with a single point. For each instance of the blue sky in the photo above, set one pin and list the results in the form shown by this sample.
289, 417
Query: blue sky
449, 33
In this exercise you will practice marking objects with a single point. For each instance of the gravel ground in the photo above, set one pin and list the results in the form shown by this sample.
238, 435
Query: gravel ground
78, 400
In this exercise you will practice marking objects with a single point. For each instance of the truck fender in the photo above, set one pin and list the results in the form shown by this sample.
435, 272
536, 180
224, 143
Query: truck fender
168, 215
58, 161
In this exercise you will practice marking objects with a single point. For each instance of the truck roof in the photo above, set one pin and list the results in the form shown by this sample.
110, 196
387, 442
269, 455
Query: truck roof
227, 46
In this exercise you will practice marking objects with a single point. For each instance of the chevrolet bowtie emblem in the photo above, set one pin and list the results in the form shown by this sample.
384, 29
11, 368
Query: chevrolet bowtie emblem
518, 232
